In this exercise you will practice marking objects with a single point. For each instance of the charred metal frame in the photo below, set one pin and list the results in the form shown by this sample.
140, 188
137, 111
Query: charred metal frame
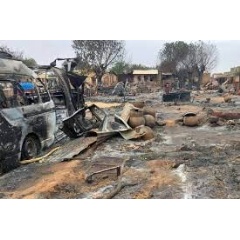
39, 121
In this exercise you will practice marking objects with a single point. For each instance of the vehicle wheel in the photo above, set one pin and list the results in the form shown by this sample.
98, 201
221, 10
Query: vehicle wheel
76, 129
30, 148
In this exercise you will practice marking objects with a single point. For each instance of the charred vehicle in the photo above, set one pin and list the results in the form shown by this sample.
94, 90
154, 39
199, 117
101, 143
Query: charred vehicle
33, 116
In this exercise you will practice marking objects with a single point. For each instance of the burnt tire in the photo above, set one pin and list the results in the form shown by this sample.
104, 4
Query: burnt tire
31, 147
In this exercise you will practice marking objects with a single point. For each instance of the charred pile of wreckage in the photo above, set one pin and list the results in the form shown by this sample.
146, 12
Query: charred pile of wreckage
37, 111
180, 147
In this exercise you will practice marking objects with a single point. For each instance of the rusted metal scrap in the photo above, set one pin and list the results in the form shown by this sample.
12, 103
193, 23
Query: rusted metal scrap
117, 125
72, 149
77, 124
105, 164
89, 178
133, 133
110, 126
226, 115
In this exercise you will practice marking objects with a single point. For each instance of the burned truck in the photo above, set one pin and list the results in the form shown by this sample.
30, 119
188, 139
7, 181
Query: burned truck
34, 116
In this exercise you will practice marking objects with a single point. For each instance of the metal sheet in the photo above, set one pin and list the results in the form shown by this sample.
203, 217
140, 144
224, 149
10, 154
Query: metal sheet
9, 66
72, 149
133, 133
126, 111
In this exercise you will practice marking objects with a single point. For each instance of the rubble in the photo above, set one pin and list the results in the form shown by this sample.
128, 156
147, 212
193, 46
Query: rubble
223, 114
191, 151
119, 89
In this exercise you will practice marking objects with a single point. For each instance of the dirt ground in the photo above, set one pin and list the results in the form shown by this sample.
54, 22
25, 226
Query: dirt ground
180, 162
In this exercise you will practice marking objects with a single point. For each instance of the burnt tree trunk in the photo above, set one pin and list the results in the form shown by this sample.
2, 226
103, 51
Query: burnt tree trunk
200, 71
200, 77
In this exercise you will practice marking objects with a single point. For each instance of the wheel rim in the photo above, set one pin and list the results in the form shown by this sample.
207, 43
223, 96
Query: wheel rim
76, 128
31, 148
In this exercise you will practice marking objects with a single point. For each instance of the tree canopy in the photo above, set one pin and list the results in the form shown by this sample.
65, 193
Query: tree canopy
98, 55
172, 55
188, 60
30, 62
121, 67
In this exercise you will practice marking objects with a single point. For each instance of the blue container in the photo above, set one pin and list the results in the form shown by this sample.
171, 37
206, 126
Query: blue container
27, 86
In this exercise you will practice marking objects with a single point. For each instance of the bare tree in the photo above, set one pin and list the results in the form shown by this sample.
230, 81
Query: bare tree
188, 63
30, 62
98, 55
206, 58
192, 59
15, 54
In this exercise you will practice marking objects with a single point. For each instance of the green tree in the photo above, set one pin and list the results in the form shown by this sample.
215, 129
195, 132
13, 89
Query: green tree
98, 55
172, 54
30, 62
120, 67
138, 67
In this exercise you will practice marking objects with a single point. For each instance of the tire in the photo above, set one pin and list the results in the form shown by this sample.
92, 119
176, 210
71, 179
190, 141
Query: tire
31, 147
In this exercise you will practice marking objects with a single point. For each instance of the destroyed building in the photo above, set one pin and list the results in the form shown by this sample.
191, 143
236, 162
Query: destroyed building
228, 81
145, 80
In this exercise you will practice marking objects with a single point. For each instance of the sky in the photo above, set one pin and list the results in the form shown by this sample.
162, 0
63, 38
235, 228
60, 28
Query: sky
138, 51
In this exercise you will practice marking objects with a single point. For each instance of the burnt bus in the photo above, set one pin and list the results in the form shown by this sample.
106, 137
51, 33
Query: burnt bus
34, 115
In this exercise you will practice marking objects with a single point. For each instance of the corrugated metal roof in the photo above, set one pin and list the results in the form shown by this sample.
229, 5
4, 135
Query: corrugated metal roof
145, 72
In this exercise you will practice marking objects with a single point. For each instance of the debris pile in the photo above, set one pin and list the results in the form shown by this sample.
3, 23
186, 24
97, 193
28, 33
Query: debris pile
221, 118
141, 118
189, 156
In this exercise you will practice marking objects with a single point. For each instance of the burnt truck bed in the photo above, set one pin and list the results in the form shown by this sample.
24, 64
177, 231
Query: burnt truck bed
177, 96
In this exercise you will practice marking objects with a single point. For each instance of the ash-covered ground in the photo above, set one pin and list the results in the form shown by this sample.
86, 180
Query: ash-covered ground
179, 162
